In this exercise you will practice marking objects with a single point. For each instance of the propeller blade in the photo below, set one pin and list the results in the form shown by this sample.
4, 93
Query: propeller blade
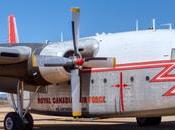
99, 62
75, 93
50, 61
75, 78
75, 29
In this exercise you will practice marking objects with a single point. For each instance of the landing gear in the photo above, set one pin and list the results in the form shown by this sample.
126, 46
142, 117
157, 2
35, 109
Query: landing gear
29, 121
13, 122
20, 119
148, 121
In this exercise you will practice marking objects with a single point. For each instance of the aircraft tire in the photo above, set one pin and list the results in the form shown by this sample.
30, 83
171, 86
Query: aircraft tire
13, 121
29, 124
148, 121
156, 121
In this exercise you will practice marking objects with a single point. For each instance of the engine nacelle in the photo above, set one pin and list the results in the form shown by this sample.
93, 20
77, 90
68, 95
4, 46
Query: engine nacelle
87, 47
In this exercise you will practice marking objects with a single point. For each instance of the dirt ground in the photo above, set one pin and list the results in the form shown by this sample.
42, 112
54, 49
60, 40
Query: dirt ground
64, 123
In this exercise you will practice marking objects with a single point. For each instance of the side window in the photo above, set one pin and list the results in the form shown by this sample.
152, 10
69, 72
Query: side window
173, 54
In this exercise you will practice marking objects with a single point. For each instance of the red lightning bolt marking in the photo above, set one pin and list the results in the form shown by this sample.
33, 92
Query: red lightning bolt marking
170, 92
165, 76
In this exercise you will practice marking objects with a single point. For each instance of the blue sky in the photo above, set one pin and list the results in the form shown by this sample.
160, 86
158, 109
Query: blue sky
40, 20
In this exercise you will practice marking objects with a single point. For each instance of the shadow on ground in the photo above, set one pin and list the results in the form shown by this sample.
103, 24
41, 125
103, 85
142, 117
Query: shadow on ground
101, 125
124, 126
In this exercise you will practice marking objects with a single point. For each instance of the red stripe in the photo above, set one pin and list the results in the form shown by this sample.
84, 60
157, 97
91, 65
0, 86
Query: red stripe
121, 93
144, 63
132, 66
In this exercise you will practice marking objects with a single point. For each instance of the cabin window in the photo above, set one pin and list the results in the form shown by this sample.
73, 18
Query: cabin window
132, 79
92, 81
147, 78
104, 80
173, 54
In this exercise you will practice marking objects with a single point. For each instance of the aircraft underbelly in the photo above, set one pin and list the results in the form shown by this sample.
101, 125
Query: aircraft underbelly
126, 89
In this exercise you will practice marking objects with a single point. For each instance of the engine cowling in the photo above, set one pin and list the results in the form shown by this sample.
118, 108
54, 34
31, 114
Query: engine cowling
87, 47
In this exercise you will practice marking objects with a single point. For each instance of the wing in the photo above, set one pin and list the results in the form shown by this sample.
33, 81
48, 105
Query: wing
12, 55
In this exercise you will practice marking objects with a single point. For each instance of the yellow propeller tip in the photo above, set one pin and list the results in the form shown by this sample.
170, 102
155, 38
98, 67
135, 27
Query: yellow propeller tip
75, 10
76, 114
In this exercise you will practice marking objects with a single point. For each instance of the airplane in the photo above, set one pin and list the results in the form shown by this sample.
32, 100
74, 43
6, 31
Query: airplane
128, 74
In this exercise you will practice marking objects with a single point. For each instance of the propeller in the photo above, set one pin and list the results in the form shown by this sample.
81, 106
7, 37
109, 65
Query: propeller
75, 78
77, 62
85, 62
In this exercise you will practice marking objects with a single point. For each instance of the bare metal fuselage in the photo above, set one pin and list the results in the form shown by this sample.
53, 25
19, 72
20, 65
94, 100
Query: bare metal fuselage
140, 89
141, 85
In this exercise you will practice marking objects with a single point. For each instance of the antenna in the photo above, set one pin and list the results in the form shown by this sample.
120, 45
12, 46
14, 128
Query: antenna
154, 24
47, 41
169, 25
137, 25
61, 37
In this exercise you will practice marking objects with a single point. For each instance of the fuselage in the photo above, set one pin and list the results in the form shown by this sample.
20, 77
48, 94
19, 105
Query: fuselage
142, 48
137, 46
